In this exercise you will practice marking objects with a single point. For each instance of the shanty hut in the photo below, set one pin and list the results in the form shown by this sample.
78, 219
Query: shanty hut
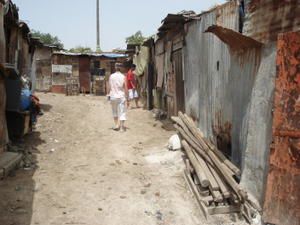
230, 88
85, 67
19, 52
3, 126
41, 72
241, 87
169, 61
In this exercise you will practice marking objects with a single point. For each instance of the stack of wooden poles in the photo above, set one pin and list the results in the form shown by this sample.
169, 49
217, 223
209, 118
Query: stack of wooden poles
209, 174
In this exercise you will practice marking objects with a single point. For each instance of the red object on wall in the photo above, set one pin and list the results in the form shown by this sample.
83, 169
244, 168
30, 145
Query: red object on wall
58, 89
283, 184
84, 74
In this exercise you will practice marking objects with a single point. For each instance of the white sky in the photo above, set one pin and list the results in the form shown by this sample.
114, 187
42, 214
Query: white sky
74, 22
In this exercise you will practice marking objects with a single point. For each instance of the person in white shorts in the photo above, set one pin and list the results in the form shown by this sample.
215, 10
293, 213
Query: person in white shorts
118, 95
132, 85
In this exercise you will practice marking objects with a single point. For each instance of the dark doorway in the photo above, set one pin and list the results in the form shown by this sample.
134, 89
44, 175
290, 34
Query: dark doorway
179, 81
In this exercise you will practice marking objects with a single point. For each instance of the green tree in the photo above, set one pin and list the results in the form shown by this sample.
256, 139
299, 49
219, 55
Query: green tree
48, 39
135, 39
81, 49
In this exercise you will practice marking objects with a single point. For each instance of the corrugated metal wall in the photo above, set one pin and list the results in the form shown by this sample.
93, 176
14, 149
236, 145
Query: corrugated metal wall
3, 127
206, 70
265, 19
227, 93
257, 126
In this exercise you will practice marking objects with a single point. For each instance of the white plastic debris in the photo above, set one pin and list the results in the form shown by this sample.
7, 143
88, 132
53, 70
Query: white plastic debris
174, 143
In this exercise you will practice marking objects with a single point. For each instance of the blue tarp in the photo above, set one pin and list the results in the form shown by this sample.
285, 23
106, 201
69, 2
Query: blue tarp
25, 99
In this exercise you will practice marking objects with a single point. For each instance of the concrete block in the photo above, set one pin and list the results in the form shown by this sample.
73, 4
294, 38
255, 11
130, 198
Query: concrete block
8, 162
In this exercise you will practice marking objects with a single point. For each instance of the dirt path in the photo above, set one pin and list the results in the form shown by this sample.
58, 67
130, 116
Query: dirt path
88, 174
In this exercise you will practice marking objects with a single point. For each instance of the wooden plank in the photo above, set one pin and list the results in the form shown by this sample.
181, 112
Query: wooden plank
193, 145
207, 200
199, 136
212, 181
228, 209
224, 189
194, 162
216, 195
203, 192
223, 158
186, 130
196, 179
188, 166
220, 166
193, 188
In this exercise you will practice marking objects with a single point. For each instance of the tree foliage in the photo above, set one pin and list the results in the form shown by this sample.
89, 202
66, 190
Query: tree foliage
136, 38
81, 49
48, 39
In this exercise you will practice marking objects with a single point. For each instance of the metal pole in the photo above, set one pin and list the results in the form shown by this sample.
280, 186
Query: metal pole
98, 27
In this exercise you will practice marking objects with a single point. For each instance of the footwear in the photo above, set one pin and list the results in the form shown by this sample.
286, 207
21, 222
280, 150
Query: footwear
123, 129
116, 128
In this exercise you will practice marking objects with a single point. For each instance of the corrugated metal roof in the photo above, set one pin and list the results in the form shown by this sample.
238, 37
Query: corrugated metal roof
174, 20
106, 55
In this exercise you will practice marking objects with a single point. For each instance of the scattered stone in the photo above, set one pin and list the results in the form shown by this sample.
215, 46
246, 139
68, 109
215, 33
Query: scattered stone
100, 209
147, 185
135, 164
148, 213
159, 215
143, 192
119, 162
123, 197
157, 194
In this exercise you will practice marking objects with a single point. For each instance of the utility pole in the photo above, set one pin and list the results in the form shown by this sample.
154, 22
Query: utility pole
98, 27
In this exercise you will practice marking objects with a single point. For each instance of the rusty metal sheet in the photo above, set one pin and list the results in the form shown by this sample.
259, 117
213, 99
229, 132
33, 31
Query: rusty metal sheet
58, 89
265, 19
227, 15
235, 40
84, 74
283, 184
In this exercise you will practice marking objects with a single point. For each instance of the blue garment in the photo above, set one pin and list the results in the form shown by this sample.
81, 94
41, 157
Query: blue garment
25, 99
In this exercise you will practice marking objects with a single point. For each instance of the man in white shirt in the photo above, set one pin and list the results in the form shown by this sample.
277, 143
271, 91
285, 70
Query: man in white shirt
118, 94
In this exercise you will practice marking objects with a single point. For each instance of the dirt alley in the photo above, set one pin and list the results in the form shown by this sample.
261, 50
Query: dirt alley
86, 173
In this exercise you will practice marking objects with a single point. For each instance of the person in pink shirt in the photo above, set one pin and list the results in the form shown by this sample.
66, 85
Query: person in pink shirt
118, 95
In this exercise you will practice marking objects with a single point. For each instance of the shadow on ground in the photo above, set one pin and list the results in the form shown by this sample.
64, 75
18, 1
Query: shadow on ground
17, 191
46, 107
